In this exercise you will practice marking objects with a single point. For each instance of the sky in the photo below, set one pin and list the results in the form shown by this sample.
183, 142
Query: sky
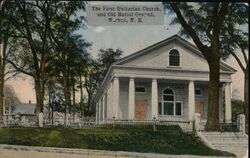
129, 39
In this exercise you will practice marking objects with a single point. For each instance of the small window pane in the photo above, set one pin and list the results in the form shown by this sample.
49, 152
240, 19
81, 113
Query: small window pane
198, 91
168, 98
168, 91
174, 58
178, 109
159, 108
168, 108
140, 89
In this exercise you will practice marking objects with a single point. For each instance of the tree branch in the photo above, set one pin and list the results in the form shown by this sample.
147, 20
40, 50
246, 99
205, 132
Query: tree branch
220, 17
188, 28
233, 36
29, 36
209, 29
19, 68
13, 75
239, 62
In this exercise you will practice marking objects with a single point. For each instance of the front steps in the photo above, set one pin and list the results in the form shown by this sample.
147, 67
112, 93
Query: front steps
234, 142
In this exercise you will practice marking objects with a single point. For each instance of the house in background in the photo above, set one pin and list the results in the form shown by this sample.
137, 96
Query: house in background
166, 81
24, 108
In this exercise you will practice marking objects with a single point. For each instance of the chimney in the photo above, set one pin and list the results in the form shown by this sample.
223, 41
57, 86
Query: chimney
29, 101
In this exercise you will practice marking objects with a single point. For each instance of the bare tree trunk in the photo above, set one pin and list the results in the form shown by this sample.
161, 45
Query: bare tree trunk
213, 96
88, 109
246, 97
2, 70
81, 101
49, 106
39, 97
2, 75
1, 90
74, 102
52, 112
66, 97
66, 89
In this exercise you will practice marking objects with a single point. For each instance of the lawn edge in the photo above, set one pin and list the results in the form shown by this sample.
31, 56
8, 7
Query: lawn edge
96, 152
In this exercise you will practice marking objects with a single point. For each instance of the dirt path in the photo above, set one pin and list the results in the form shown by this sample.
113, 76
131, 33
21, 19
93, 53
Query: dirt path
5, 153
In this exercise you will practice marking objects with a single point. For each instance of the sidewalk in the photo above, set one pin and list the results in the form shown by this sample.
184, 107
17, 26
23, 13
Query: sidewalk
16, 151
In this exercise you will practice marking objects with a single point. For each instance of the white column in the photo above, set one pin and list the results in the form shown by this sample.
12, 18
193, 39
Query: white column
154, 99
103, 107
221, 104
191, 101
131, 99
40, 115
110, 102
100, 111
116, 98
228, 110
97, 113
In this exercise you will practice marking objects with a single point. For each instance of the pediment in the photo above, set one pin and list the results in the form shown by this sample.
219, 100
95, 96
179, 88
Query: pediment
157, 56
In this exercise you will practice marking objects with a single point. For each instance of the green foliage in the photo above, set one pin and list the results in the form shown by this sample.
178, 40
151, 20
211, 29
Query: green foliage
10, 94
96, 71
237, 108
167, 140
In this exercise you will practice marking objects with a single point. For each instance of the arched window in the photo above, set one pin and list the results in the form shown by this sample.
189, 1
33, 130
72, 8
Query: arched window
174, 58
168, 102
169, 105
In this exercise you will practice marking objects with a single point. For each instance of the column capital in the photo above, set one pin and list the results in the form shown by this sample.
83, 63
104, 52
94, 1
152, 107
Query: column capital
131, 79
115, 78
154, 79
228, 83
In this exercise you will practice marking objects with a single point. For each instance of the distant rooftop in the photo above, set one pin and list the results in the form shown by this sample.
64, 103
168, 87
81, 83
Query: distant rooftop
24, 108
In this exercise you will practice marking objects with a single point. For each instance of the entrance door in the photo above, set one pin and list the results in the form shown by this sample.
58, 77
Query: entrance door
199, 108
140, 109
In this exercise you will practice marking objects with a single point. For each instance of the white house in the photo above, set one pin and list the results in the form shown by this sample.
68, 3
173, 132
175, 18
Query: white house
167, 80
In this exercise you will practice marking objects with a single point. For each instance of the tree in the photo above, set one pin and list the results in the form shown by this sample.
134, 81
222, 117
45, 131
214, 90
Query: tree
35, 23
1, 65
205, 24
10, 97
29, 54
237, 36
106, 57
80, 70
96, 72
68, 44
74, 50
5, 71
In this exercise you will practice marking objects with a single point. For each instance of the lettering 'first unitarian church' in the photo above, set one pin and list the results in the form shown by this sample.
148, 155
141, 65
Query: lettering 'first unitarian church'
167, 81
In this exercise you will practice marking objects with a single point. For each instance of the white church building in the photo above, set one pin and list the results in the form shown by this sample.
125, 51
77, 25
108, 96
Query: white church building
167, 81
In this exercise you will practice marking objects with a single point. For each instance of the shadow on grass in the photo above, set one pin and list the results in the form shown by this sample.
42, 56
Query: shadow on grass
166, 140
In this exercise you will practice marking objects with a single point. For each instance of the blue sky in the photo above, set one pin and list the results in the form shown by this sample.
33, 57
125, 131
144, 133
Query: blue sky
129, 39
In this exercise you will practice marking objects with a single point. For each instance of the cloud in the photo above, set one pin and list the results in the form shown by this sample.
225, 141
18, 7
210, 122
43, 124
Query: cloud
99, 29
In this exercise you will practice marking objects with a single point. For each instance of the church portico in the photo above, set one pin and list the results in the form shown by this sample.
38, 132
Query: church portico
161, 83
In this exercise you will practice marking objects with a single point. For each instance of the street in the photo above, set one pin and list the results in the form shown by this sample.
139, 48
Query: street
5, 153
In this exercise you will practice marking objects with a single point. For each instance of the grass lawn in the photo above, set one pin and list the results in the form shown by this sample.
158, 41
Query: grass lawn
167, 140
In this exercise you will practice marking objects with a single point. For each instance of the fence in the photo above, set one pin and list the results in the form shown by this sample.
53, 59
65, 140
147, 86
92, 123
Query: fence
21, 120
77, 123
185, 125
238, 126
31, 120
